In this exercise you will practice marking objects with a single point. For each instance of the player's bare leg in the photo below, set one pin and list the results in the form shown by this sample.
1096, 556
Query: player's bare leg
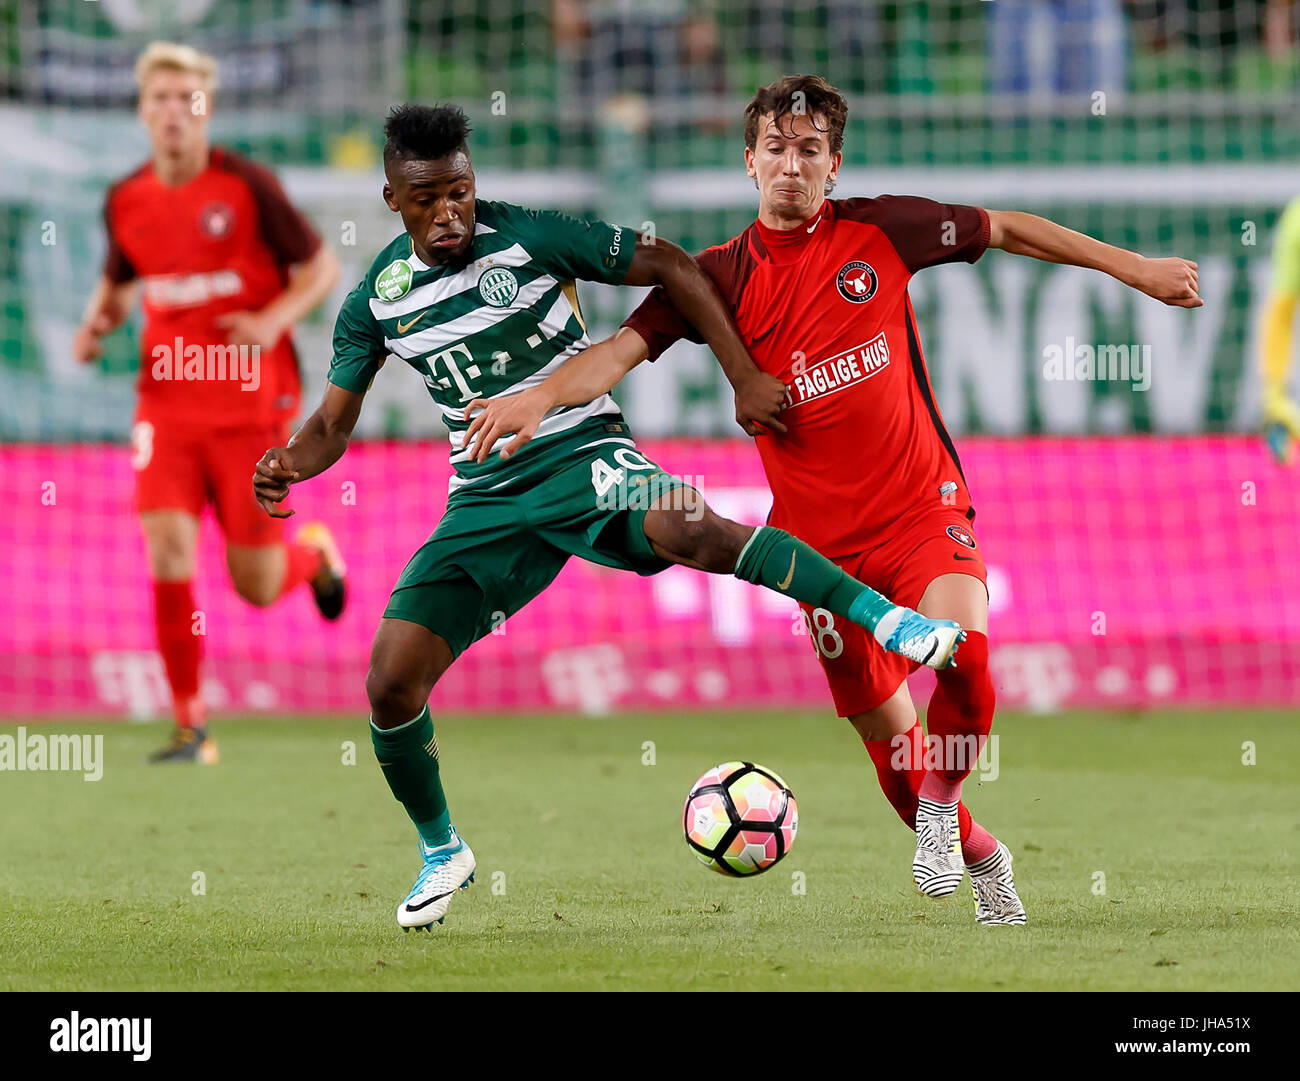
683, 529
256, 573
406, 660
961, 595
171, 537
263, 574
959, 719
894, 717
892, 735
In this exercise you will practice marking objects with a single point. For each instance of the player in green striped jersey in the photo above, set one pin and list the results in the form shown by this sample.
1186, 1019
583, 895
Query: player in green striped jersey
479, 298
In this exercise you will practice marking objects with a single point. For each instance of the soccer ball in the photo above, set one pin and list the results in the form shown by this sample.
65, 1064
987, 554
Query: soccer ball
740, 818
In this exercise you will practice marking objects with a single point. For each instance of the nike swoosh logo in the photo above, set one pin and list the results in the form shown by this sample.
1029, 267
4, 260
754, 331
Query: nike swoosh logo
402, 329
969, 559
789, 575
428, 901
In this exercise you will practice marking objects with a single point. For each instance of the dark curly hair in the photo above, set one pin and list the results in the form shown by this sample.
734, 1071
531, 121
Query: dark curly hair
424, 133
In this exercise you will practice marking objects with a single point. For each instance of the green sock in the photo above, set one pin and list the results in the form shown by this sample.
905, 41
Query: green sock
408, 756
783, 563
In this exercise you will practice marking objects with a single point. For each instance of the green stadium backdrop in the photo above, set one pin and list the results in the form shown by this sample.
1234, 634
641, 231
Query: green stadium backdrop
1168, 127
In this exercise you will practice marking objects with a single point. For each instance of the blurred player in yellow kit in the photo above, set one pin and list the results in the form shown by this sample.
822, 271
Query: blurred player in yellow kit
1281, 414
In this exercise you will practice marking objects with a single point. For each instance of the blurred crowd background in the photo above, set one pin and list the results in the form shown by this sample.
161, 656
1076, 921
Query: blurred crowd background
1166, 125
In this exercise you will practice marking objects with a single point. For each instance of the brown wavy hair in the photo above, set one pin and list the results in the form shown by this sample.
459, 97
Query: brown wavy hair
796, 95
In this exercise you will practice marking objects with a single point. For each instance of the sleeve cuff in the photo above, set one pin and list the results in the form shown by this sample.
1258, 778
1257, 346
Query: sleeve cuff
355, 386
986, 232
655, 345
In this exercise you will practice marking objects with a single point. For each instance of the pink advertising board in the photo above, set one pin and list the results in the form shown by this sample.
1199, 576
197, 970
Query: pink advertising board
1124, 573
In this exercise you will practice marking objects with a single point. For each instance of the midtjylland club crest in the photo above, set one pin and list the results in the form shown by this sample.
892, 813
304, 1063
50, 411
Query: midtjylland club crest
857, 282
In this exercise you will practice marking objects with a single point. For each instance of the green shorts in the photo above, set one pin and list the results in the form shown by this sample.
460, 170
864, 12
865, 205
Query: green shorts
500, 543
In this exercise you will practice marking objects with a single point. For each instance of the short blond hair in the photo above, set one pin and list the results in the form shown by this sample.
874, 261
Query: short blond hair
170, 56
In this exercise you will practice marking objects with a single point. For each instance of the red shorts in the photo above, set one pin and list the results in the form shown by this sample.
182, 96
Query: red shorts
861, 674
182, 467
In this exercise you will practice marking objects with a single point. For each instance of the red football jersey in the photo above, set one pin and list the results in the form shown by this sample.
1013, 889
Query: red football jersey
222, 242
824, 308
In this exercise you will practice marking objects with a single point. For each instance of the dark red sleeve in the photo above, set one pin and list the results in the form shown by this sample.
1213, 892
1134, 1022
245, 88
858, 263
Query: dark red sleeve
660, 324
284, 228
117, 267
923, 232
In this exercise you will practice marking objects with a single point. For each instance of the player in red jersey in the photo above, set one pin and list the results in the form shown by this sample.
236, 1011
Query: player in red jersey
227, 265
857, 456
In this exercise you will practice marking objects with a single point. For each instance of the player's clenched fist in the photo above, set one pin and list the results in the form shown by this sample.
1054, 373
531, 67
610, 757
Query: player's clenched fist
758, 404
87, 344
1172, 281
271, 481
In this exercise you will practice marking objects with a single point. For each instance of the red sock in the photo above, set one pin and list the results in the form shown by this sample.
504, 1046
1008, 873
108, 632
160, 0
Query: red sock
959, 719
181, 649
900, 768
978, 845
303, 562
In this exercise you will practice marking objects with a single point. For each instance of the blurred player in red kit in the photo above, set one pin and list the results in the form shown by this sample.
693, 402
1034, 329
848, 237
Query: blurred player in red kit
856, 453
226, 266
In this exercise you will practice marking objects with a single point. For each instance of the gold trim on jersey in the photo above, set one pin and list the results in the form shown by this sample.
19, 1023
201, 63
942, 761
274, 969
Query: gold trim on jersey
571, 291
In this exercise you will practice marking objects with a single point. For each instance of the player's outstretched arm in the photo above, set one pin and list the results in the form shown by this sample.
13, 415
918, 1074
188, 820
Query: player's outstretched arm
582, 378
759, 396
314, 447
1170, 281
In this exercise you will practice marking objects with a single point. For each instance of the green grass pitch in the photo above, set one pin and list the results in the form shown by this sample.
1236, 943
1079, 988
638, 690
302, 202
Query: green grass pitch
584, 880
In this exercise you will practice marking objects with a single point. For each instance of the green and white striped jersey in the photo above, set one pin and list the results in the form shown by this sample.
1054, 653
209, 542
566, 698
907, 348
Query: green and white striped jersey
495, 322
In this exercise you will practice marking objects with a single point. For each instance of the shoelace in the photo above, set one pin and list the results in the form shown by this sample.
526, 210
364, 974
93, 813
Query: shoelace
432, 869
944, 829
937, 835
995, 893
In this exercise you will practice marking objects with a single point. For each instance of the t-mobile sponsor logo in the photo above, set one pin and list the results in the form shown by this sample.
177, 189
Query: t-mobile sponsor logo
833, 374
592, 678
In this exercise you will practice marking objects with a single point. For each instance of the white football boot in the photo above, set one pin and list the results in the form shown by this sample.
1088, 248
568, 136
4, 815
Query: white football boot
937, 867
931, 642
447, 869
996, 900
